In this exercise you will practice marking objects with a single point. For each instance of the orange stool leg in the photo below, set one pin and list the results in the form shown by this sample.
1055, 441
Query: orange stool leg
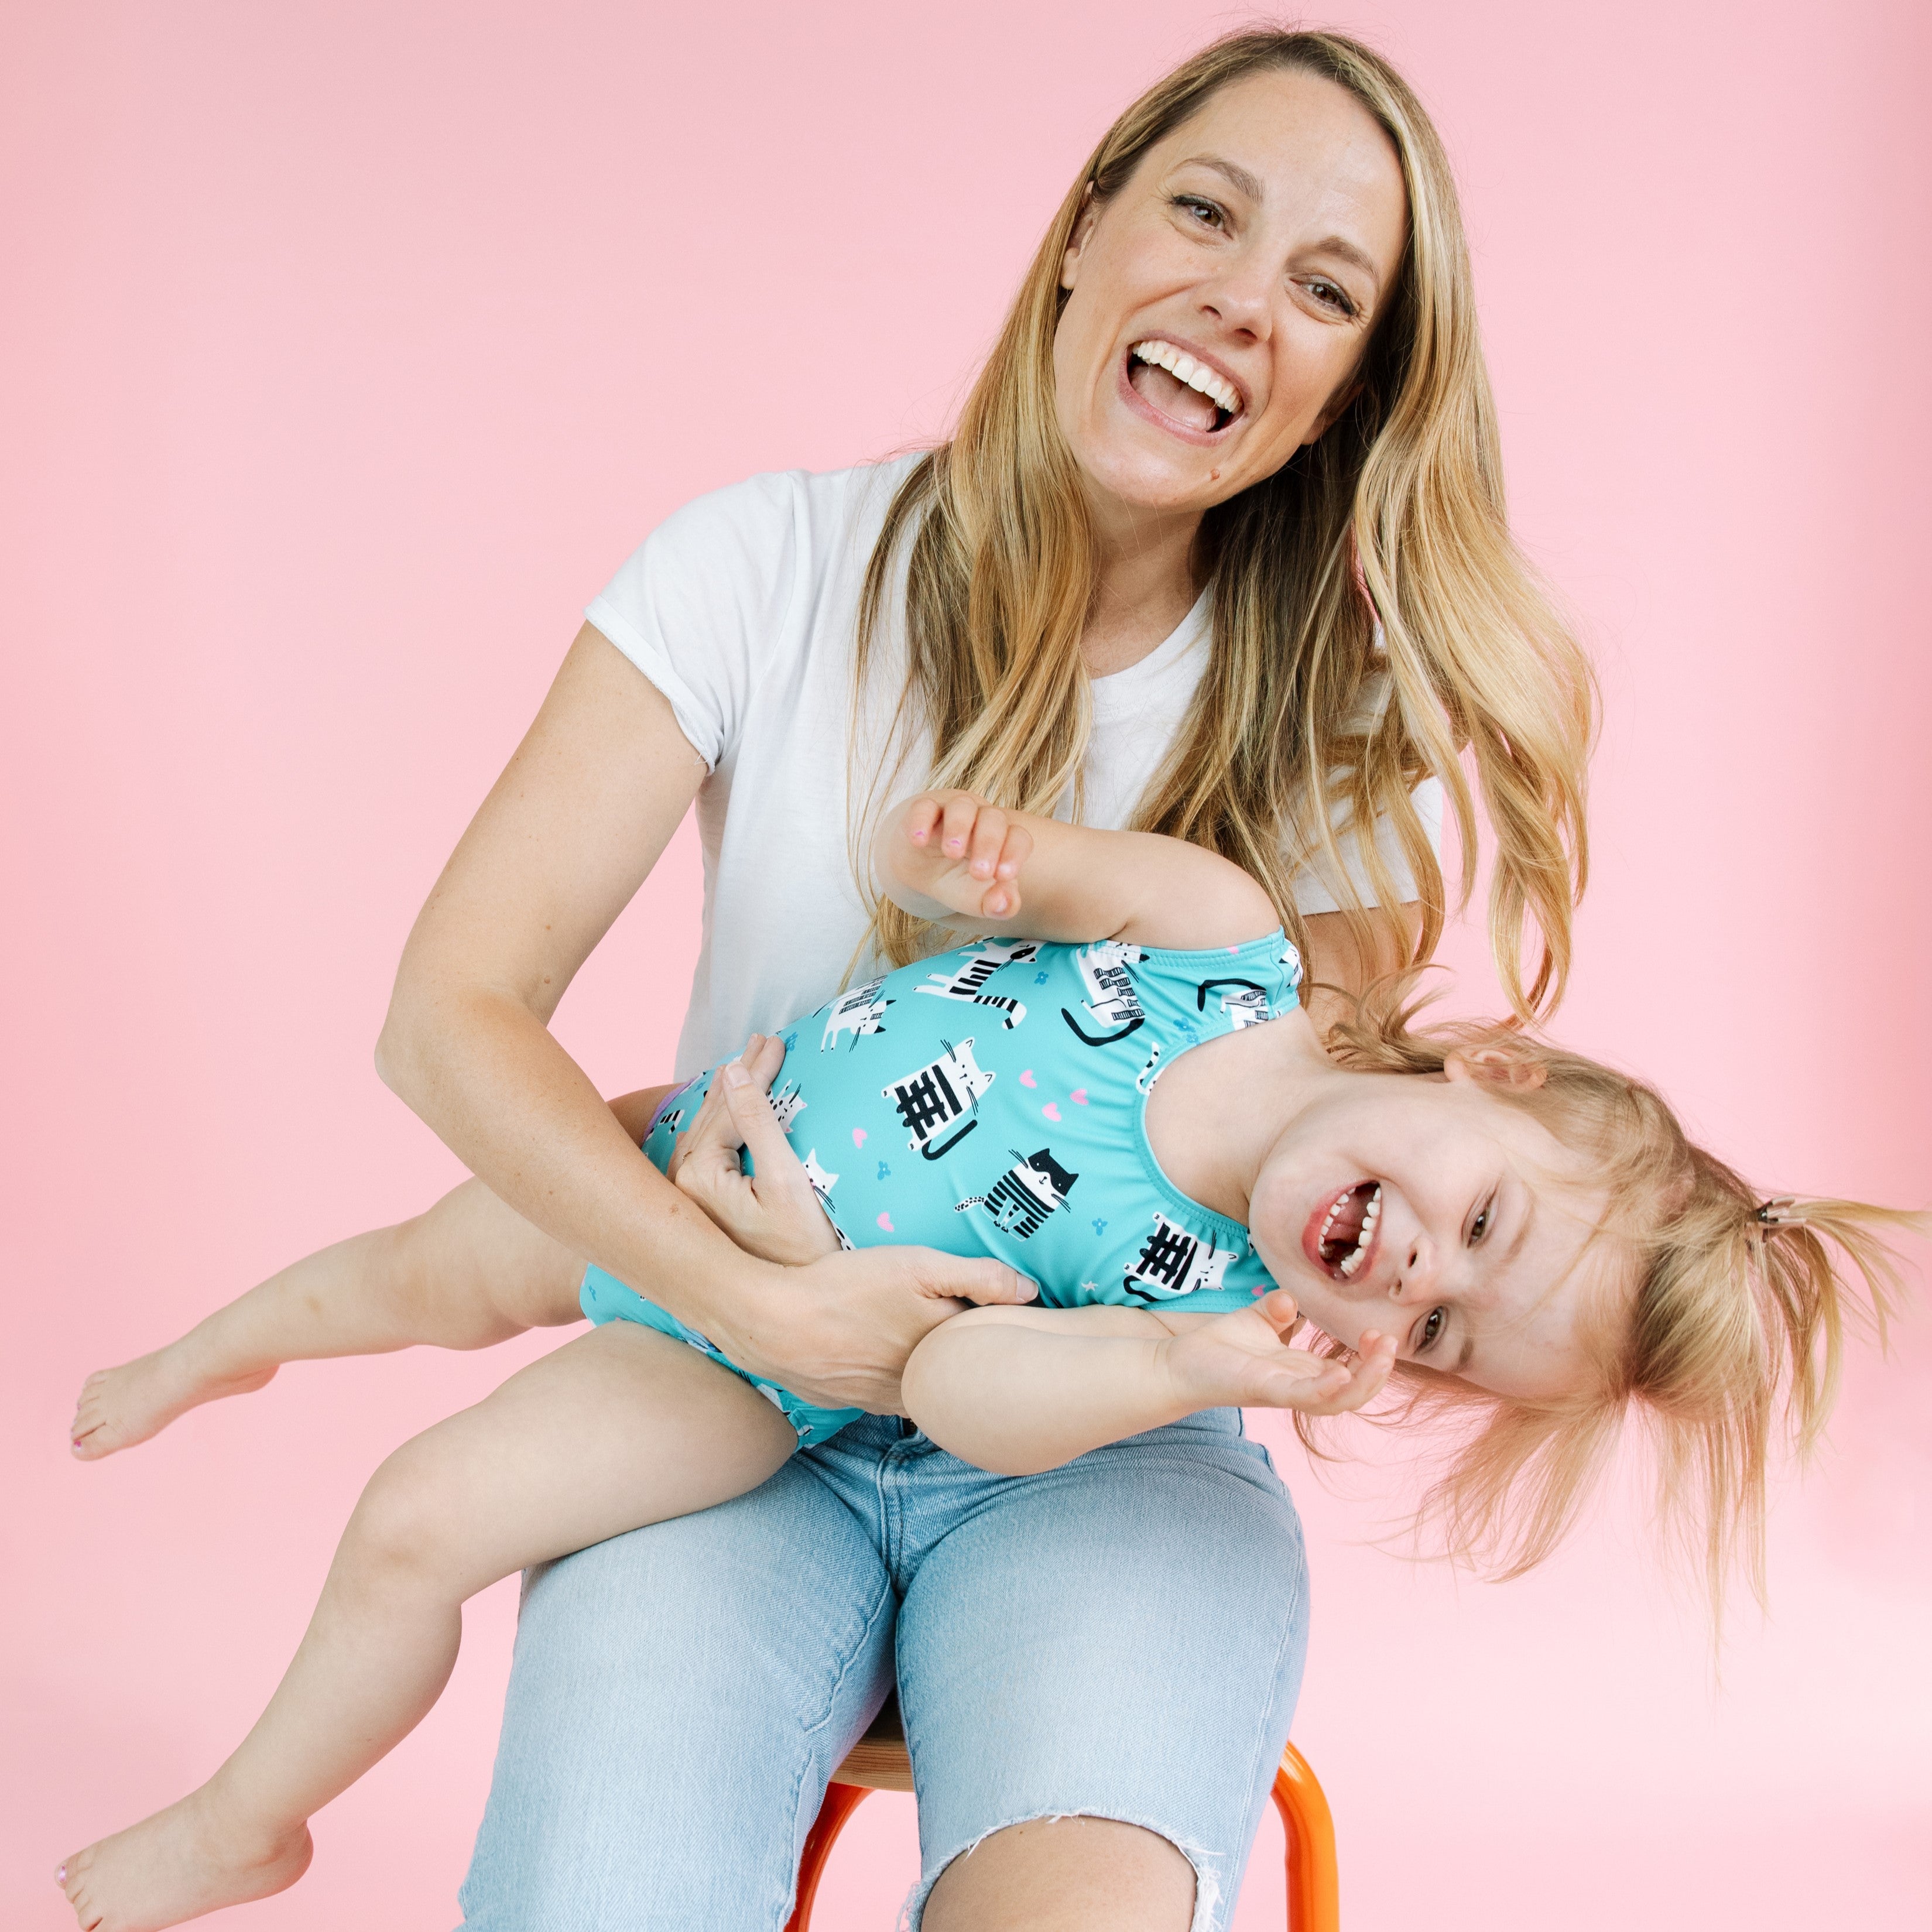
841, 1801
1314, 1885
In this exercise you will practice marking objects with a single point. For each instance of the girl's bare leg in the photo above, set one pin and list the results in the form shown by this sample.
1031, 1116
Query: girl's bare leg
621, 1427
468, 1273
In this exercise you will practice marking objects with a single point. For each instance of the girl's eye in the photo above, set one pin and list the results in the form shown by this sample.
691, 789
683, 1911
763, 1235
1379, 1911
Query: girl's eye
1480, 1226
1433, 1326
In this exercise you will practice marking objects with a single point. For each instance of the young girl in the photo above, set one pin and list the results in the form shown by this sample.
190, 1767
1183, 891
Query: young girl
1146, 1127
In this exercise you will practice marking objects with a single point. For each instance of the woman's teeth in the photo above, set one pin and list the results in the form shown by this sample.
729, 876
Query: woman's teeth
1183, 368
1356, 1241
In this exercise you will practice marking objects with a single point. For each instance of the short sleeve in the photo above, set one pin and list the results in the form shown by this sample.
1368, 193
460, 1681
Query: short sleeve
700, 605
1315, 891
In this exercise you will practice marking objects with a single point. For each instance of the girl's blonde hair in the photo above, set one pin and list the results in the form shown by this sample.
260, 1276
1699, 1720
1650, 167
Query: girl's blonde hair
1733, 1341
1396, 510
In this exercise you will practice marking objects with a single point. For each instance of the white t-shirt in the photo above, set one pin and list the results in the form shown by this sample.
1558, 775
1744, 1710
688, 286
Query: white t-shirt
742, 609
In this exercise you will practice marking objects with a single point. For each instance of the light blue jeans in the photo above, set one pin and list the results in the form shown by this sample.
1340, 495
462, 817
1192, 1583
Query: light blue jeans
1121, 1637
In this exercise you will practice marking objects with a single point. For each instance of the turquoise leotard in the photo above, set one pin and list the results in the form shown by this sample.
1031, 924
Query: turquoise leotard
991, 1101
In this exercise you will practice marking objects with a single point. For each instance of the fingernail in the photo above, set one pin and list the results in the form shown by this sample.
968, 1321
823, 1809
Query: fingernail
1029, 1289
60, 1876
735, 1074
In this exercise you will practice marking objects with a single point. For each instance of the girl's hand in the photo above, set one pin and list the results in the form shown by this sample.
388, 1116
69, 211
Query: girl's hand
1243, 1360
960, 852
773, 1212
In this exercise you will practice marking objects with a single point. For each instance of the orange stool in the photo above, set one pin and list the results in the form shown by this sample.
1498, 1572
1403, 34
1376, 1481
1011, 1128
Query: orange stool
878, 1762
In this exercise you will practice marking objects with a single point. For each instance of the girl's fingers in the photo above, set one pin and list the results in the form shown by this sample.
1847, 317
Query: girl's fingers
956, 825
1014, 851
989, 835
921, 815
1277, 1309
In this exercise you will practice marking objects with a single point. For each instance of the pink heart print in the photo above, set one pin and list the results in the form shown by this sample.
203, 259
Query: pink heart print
1078, 1096
886, 1222
1051, 1112
858, 1137
1026, 1078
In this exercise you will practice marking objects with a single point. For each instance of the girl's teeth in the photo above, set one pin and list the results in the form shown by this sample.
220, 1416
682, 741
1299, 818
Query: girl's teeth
1365, 1235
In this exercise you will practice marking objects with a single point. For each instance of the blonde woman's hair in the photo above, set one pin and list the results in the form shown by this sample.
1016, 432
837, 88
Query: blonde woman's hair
1396, 510
1730, 1346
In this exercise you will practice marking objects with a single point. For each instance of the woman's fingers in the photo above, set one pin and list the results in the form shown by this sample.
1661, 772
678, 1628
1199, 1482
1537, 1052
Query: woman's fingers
773, 1160
965, 1278
764, 1053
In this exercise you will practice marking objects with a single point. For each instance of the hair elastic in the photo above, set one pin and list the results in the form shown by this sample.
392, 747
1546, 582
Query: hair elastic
1771, 1214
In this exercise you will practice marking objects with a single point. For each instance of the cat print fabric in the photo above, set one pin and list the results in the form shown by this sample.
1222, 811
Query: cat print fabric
991, 1101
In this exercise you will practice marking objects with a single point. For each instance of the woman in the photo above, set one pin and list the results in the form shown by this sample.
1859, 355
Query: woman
1237, 413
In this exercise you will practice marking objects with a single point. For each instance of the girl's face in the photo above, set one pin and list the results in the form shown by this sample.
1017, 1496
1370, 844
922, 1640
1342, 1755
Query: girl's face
1432, 1210
1259, 242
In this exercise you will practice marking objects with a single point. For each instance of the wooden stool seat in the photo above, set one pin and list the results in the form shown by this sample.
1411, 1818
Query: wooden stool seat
878, 1762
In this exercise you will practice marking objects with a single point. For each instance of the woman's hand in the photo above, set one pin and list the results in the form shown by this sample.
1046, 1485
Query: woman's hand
836, 1326
839, 1331
959, 852
773, 1212
1243, 1360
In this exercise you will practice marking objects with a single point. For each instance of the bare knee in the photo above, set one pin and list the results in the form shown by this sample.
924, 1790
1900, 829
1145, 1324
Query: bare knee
1066, 1875
409, 1529
475, 1273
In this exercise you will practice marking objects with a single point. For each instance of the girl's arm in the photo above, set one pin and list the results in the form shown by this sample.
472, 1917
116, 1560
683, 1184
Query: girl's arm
565, 837
1019, 1389
949, 855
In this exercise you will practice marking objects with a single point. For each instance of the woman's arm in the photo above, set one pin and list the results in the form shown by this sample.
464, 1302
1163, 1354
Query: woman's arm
565, 837
1020, 1389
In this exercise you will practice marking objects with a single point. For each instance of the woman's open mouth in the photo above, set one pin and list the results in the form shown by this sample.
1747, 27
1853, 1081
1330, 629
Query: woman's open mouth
1340, 1236
1185, 392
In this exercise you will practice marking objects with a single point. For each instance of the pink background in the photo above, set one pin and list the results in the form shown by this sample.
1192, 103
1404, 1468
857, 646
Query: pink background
348, 348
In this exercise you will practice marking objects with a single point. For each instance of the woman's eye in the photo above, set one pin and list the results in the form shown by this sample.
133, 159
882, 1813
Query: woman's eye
1330, 296
1205, 210
1433, 1326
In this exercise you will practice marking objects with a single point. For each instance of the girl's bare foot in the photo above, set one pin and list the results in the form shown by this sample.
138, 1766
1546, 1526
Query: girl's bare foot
182, 1862
120, 1407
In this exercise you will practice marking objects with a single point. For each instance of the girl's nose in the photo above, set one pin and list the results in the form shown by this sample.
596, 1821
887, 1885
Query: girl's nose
1417, 1272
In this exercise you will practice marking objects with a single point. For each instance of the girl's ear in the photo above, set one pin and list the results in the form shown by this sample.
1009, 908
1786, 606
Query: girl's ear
1495, 1066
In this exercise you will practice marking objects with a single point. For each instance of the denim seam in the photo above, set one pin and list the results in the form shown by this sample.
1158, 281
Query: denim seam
1256, 1769
812, 1731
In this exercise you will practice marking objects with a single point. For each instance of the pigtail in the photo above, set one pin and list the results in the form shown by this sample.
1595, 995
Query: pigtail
1815, 1302
1738, 1348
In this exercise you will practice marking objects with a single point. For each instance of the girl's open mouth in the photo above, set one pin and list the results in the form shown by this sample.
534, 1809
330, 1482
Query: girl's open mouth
1340, 1236
1186, 393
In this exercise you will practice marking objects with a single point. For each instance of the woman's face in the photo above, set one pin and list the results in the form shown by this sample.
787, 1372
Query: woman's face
1218, 305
